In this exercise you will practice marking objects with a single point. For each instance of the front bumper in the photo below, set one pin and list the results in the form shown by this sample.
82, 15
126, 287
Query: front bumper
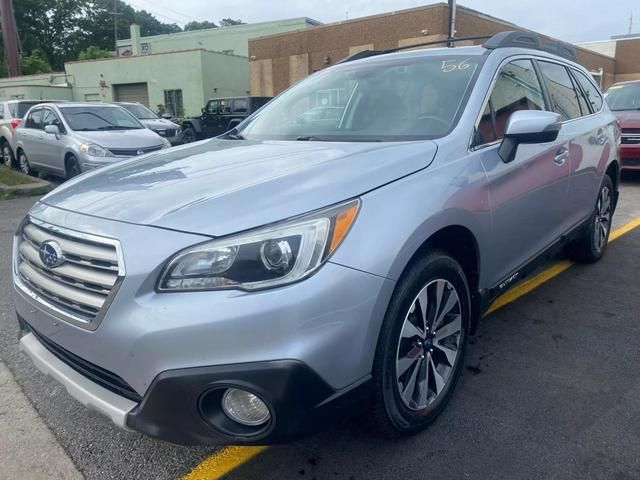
630, 154
300, 401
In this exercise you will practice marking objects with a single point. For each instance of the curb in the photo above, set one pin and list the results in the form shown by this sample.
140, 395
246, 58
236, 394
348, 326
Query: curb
37, 187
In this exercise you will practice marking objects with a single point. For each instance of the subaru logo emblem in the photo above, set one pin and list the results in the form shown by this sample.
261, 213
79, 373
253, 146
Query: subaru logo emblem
139, 152
51, 254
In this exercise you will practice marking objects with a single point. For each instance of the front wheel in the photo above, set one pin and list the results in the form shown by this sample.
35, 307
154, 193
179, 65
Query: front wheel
188, 135
72, 167
591, 246
422, 345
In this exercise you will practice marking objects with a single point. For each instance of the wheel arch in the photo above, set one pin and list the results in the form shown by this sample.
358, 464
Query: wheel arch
459, 242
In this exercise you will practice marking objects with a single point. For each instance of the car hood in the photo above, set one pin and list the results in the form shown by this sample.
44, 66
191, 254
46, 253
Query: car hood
158, 123
628, 118
216, 187
137, 138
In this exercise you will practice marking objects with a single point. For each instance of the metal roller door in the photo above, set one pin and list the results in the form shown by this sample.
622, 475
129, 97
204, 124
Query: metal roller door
131, 92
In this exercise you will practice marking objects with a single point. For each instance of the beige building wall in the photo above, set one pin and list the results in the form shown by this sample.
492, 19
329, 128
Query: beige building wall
261, 78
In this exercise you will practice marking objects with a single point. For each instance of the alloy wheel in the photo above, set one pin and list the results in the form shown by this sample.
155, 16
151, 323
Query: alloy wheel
603, 218
6, 155
430, 344
24, 164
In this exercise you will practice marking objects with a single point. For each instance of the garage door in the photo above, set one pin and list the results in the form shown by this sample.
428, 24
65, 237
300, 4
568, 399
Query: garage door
131, 92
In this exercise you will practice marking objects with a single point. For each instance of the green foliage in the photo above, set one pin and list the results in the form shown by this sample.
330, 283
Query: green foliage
35, 63
199, 25
92, 52
228, 22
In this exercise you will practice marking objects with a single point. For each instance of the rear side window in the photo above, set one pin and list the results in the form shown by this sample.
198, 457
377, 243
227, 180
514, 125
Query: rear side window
517, 88
561, 90
593, 95
240, 106
34, 120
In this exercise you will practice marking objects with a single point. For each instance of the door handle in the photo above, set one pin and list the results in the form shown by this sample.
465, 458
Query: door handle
561, 156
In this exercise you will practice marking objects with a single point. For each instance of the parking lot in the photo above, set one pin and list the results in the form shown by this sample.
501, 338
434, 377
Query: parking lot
550, 391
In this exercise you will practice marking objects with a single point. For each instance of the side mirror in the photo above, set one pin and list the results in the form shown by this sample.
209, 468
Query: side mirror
52, 130
528, 126
166, 116
203, 110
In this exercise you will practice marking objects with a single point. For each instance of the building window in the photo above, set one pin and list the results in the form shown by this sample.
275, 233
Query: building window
173, 103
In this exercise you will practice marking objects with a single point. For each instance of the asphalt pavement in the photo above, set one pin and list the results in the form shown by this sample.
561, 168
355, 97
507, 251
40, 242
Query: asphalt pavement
549, 391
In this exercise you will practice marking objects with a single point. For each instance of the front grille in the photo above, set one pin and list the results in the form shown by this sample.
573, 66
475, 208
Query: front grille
132, 152
631, 136
80, 286
102, 377
631, 162
170, 132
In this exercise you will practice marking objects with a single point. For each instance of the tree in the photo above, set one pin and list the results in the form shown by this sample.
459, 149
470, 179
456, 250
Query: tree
228, 22
35, 63
199, 25
92, 52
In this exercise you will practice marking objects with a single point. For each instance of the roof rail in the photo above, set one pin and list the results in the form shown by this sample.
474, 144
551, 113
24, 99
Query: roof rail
449, 41
531, 40
562, 49
514, 39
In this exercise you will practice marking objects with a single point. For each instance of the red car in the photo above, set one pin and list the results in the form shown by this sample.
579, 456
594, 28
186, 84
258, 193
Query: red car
624, 100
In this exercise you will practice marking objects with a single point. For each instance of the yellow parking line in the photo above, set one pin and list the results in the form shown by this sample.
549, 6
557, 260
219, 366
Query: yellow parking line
227, 459
222, 462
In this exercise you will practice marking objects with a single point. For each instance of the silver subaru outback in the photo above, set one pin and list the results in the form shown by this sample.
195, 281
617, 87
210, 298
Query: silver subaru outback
251, 288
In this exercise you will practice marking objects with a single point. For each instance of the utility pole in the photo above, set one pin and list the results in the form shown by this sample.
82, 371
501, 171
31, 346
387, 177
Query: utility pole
115, 26
452, 21
10, 38
631, 22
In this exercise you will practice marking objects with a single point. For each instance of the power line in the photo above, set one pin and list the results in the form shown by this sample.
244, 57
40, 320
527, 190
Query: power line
148, 2
155, 13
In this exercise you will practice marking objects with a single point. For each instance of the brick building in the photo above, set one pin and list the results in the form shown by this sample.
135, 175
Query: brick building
277, 61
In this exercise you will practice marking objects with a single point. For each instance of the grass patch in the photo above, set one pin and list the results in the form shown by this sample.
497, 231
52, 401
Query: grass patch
11, 178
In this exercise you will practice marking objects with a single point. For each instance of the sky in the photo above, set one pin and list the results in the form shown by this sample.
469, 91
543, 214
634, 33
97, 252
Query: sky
569, 20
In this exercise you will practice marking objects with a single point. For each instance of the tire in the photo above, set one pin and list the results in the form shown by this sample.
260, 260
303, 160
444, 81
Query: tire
7, 155
189, 135
407, 353
24, 165
591, 246
72, 167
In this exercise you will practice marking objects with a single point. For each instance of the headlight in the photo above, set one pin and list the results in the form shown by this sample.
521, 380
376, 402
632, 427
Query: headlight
266, 257
166, 143
95, 150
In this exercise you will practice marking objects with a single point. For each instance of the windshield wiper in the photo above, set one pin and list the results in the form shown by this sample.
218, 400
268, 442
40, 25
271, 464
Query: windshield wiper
308, 138
115, 127
233, 134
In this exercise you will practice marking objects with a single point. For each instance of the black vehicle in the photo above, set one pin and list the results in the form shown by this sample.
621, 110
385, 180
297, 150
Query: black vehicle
220, 115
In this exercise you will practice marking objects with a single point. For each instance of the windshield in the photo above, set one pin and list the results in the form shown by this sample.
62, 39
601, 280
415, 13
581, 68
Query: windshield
92, 118
406, 98
624, 97
140, 111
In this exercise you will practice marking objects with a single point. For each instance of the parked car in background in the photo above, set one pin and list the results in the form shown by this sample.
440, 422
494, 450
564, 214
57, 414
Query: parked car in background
11, 113
260, 285
71, 138
220, 115
162, 126
624, 99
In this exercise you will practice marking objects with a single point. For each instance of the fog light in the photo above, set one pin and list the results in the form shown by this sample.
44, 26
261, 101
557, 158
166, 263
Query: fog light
244, 407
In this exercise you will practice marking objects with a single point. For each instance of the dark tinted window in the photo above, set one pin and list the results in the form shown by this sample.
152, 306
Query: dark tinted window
50, 118
212, 106
240, 106
582, 99
34, 120
560, 87
22, 108
591, 91
517, 88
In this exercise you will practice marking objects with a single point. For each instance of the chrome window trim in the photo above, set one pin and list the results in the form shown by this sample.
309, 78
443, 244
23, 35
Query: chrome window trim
520, 56
38, 301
